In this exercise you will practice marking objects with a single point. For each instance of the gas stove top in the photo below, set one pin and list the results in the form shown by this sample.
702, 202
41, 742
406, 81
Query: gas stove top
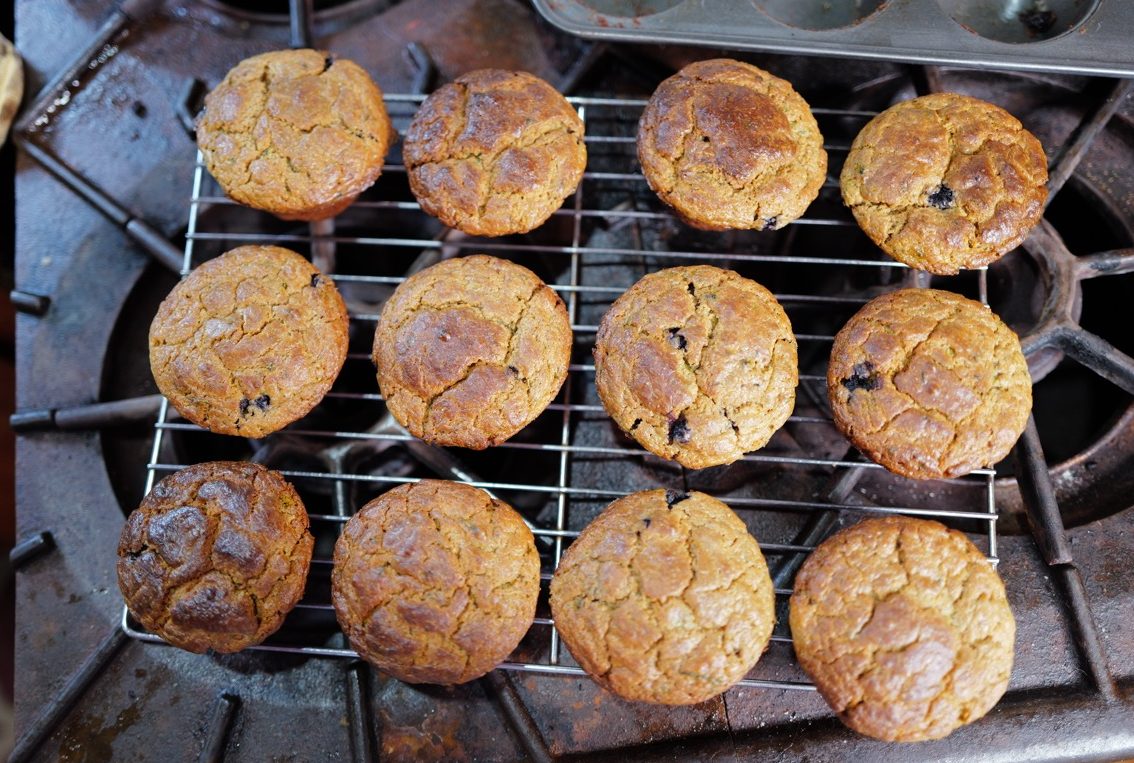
90, 276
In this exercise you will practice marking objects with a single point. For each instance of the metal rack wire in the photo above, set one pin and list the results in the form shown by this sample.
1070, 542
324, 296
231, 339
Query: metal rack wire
567, 409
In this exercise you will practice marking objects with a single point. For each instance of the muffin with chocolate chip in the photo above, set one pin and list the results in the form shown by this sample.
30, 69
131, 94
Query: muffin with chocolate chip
298, 133
698, 364
664, 598
494, 152
929, 384
435, 582
729, 146
249, 341
471, 350
945, 182
216, 556
905, 628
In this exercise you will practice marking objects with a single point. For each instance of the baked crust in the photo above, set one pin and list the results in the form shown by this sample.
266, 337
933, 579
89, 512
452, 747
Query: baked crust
729, 146
298, 133
249, 341
698, 364
471, 350
945, 182
435, 582
494, 152
665, 598
904, 627
929, 384
216, 556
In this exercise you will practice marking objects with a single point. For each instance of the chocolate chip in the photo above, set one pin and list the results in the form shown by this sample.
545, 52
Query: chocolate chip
862, 377
646, 520
244, 403
674, 496
770, 222
692, 289
679, 430
676, 339
942, 197
704, 138
262, 402
513, 370
637, 423
140, 110
328, 62
1037, 21
315, 279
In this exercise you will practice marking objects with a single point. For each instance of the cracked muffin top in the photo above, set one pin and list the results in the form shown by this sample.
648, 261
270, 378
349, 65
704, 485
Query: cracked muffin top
494, 152
698, 364
905, 628
249, 341
945, 182
435, 582
665, 598
929, 384
216, 556
471, 350
298, 133
729, 146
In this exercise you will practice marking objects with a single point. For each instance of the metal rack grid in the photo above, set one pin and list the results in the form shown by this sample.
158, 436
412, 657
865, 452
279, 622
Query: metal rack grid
553, 537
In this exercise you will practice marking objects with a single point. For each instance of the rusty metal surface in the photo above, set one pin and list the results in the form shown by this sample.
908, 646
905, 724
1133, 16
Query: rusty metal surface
123, 131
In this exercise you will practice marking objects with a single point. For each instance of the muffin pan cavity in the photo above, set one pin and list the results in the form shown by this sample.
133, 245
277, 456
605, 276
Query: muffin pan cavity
1019, 20
820, 14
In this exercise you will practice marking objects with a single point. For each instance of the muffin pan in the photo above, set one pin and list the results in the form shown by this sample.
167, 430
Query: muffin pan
1074, 36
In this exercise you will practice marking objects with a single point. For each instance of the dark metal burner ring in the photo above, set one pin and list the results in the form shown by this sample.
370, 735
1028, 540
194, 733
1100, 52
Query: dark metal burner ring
1058, 326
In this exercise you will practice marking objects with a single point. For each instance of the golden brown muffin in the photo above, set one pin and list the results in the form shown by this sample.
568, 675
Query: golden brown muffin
435, 582
904, 627
216, 556
697, 364
945, 182
298, 133
728, 145
250, 341
929, 384
494, 152
470, 351
664, 598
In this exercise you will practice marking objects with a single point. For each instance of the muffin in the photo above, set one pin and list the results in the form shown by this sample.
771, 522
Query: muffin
249, 342
470, 351
435, 582
664, 598
494, 152
904, 627
216, 556
298, 133
945, 182
729, 146
697, 364
929, 384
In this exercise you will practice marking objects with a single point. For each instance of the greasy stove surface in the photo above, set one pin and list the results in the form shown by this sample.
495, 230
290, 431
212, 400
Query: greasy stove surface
121, 128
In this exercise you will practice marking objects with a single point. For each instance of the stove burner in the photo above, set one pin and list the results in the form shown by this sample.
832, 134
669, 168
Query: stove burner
1020, 292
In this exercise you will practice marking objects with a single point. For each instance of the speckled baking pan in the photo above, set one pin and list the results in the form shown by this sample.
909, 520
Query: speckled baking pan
1077, 36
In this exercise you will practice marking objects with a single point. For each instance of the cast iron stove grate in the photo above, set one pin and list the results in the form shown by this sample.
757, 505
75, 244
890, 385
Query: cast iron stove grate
612, 170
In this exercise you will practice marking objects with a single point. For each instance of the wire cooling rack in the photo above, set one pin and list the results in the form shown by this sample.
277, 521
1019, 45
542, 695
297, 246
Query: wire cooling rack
610, 141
